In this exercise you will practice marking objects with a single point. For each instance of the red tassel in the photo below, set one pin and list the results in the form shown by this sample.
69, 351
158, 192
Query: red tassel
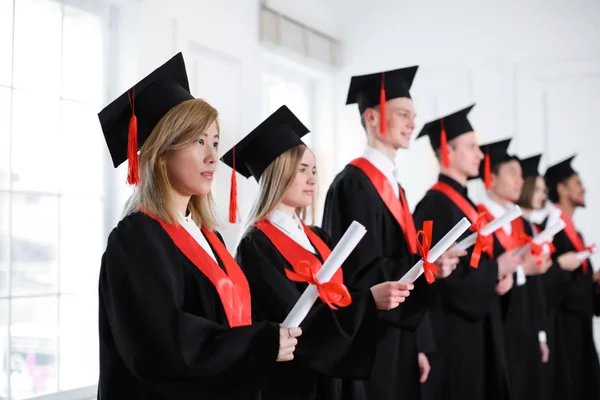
382, 100
444, 148
233, 194
487, 171
133, 173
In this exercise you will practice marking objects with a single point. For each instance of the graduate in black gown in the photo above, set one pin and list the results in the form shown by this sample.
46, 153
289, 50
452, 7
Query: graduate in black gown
532, 200
367, 190
523, 305
335, 343
174, 306
572, 295
469, 360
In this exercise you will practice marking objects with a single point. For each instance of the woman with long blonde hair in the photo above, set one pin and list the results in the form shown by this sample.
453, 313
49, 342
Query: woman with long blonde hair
175, 308
279, 254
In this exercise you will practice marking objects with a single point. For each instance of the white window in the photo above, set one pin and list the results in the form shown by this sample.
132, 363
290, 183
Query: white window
52, 197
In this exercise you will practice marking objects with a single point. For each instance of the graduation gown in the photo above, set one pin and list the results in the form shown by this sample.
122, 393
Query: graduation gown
163, 330
469, 359
571, 300
524, 316
334, 343
382, 255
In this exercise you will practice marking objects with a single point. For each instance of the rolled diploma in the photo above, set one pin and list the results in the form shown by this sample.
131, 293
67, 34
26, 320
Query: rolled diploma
545, 236
490, 228
584, 255
437, 250
338, 256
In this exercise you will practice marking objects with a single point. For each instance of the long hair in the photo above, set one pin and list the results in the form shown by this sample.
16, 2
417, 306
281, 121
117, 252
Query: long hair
179, 127
526, 198
275, 181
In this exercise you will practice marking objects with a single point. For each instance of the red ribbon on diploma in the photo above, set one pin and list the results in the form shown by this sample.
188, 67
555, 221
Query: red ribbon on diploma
536, 250
484, 243
331, 293
423, 245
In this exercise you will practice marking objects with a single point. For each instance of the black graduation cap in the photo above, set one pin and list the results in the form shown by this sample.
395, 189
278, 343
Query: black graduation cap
280, 132
495, 153
128, 120
559, 172
530, 166
375, 89
443, 130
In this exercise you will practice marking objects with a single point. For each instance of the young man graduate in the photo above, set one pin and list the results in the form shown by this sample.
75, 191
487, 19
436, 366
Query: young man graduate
469, 361
572, 296
523, 306
367, 191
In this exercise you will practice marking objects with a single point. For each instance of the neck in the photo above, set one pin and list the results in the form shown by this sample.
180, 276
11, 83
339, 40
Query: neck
288, 210
498, 199
567, 207
526, 212
181, 202
454, 174
383, 148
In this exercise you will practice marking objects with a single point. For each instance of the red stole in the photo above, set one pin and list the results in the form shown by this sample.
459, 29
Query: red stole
398, 207
471, 213
294, 253
231, 286
575, 238
515, 239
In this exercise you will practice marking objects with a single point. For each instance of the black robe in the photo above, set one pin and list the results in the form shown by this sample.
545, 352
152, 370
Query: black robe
334, 343
572, 299
524, 316
469, 360
163, 331
381, 256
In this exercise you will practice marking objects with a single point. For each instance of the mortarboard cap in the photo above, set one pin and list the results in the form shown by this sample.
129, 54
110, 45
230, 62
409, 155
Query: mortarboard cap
444, 129
375, 89
530, 166
495, 153
559, 172
128, 121
280, 132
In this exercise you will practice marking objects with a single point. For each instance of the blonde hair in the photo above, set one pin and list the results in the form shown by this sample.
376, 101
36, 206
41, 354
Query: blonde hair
178, 128
275, 181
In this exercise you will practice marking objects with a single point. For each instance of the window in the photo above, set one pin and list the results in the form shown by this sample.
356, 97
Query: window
52, 163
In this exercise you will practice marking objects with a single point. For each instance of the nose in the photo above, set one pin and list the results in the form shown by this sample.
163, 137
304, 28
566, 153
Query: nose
211, 155
312, 180
480, 155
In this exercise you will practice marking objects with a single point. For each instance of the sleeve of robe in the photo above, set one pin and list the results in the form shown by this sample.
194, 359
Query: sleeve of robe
467, 291
159, 342
334, 342
425, 339
367, 265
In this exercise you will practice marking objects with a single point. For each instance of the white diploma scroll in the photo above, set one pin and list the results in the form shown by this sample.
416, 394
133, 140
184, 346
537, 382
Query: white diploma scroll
338, 256
436, 251
584, 255
506, 218
543, 237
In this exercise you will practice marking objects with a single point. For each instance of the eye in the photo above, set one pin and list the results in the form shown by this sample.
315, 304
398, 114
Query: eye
216, 145
302, 169
201, 141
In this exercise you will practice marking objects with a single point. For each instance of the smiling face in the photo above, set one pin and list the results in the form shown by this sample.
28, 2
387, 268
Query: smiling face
465, 155
301, 191
400, 122
572, 190
508, 182
191, 168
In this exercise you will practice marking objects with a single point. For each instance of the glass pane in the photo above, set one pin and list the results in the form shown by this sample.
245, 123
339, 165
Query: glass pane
82, 242
35, 148
6, 29
4, 137
78, 341
33, 346
37, 45
83, 61
81, 147
4, 243
4, 349
34, 244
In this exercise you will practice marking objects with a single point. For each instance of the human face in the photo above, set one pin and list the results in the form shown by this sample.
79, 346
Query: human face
539, 194
191, 168
400, 122
465, 155
302, 190
574, 191
508, 183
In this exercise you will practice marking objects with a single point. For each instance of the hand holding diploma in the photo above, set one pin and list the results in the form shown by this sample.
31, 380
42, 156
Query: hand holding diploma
330, 293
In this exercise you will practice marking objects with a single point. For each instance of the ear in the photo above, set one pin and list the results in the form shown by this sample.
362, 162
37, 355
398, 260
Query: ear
561, 189
371, 117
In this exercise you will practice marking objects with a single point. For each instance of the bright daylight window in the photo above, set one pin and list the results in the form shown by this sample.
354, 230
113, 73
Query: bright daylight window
52, 163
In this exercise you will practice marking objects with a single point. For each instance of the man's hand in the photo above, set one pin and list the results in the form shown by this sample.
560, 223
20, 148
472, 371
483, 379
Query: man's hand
448, 261
424, 367
389, 295
531, 267
504, 285
545, 350
569, 261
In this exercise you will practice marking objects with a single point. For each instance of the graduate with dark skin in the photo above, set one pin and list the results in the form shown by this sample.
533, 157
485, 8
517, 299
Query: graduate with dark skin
175, 317
336, 343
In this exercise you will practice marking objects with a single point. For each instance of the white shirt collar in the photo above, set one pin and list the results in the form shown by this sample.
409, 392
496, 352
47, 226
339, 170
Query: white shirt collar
384, 165
291, 226
190, 226
497, 210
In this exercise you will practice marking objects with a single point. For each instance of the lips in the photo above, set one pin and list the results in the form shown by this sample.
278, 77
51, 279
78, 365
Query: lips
208, 175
